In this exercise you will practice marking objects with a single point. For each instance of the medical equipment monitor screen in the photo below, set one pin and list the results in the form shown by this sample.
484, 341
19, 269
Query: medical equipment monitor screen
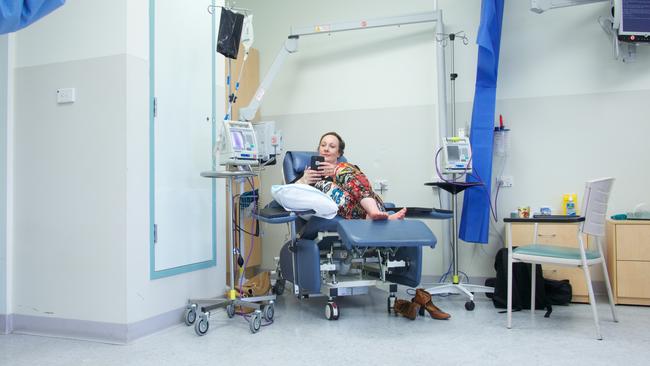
635, 20
453, 153
456, 155
237, 140
239, 144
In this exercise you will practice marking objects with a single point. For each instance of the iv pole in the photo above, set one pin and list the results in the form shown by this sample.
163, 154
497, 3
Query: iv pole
455, 287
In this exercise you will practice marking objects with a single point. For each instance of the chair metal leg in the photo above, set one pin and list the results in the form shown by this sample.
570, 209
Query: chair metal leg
592, 298
608, 285
610, 295
509, 305
533, 280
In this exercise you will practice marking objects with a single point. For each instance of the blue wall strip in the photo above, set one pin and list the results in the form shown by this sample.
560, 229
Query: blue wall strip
475, 220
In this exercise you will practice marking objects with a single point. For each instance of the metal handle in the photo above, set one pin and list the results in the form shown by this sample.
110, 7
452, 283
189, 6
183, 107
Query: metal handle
547, 235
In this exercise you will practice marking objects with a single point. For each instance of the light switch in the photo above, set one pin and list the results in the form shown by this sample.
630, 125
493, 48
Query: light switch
65, 95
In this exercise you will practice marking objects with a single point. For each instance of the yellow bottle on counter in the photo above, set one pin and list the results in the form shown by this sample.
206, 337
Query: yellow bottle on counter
570, 200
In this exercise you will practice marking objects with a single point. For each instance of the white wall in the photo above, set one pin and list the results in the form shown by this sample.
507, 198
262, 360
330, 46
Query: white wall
145, 297
82, 172
78, 30
559, 90
70, 176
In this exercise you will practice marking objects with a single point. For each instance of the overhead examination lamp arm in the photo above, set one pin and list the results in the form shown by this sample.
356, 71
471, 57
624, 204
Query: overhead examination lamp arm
291, 45
540, 6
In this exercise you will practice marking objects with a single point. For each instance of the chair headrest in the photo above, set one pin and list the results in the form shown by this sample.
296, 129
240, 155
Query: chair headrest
295, 163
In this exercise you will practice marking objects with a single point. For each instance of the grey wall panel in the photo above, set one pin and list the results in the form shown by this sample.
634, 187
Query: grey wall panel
70, 189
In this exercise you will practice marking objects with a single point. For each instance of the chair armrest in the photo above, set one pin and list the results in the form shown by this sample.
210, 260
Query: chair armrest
549, 219
278, 215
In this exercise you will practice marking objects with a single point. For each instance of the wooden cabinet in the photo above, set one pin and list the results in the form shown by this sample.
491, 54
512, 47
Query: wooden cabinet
628, 261
555, 234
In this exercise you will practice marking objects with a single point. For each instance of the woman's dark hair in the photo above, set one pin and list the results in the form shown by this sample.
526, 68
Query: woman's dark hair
341, 142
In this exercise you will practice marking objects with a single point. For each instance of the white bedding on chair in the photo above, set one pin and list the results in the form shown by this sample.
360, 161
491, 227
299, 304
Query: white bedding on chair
301, 197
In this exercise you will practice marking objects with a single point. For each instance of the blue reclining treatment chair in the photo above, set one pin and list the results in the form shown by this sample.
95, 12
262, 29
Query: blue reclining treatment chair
340, 257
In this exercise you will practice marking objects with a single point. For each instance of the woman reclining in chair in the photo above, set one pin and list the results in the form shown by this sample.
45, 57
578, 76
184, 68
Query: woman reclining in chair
345, 183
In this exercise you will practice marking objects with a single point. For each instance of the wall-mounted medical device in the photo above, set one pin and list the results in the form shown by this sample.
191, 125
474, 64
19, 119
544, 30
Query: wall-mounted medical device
627, 23
456, 155
632, 20
238, 144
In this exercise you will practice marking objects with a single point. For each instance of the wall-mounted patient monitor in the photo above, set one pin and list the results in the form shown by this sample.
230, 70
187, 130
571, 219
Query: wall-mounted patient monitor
239, 144
456, 155
632, 19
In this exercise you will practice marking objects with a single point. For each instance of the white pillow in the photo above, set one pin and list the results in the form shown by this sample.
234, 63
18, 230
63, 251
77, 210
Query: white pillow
301, 197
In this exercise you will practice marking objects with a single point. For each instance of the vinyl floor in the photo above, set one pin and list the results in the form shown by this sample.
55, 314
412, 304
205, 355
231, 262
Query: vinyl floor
366, 334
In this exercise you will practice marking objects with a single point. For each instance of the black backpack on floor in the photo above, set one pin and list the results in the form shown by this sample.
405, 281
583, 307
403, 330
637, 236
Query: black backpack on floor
520, 285
558, 292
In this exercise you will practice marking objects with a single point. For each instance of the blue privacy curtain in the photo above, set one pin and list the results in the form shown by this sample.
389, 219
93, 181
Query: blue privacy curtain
17, 14
475, 220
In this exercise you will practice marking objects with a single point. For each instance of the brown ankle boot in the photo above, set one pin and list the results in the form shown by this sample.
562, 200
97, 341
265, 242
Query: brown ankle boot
423, 299
406, 308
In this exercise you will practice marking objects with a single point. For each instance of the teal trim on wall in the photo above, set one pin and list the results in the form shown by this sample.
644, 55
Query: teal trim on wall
4, 93
153, 274
214, 133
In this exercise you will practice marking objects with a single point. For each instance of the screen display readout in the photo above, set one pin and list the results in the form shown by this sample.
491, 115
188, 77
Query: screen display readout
635, 16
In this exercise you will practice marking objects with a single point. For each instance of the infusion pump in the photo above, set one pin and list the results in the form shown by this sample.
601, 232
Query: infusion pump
238, 145
456, 155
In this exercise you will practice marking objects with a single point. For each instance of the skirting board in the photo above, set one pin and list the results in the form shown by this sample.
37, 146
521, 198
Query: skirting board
6, 323
89, 330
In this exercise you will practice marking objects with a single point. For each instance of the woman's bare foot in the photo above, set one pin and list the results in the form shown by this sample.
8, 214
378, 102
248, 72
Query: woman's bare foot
377, 215
399, 215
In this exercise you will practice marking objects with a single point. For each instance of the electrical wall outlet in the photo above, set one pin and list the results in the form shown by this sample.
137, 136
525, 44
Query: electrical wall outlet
507, 181
65, 95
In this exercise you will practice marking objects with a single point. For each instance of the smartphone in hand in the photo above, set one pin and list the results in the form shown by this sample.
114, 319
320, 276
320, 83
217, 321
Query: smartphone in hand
315, 160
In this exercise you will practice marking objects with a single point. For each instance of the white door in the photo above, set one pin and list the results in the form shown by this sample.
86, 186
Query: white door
183, 90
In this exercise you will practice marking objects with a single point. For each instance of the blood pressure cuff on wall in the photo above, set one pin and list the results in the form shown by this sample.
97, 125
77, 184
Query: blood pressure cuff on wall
230, 27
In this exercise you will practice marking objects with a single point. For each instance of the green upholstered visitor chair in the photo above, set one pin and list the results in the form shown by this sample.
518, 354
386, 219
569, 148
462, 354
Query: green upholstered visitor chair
594, 211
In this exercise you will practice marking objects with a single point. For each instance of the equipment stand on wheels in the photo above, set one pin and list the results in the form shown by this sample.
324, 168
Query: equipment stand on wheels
456, 287
454, 187
263, 305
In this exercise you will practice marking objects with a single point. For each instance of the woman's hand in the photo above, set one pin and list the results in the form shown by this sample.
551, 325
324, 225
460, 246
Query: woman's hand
327, 169
310, 176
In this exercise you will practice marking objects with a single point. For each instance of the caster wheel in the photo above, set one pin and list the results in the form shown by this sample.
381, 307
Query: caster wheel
278, 287
190, 315
256, 322
469, 306
202, 326
331, 311
267, 312
391, 303
230, 310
